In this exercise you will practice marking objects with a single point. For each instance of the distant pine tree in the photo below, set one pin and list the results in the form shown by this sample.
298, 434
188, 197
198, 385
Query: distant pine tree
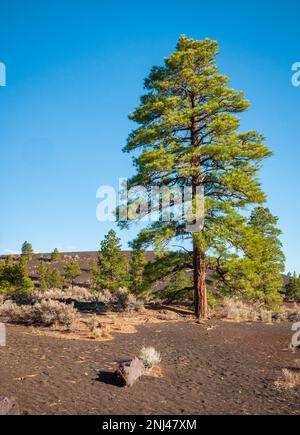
14, 279
42, 273
27, 249
55, 279
258, 273
137, 268
112, 265
49, 278
71, 272
55, 256
292, 288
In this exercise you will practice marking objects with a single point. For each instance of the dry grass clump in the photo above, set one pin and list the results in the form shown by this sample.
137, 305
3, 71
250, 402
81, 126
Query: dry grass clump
290, 380
96, 328
266, 316
44, 313
150, 356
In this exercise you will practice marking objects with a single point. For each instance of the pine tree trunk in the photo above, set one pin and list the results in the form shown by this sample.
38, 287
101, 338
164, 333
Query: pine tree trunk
200, 290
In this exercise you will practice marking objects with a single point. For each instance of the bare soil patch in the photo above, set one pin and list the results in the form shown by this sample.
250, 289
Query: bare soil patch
217, 368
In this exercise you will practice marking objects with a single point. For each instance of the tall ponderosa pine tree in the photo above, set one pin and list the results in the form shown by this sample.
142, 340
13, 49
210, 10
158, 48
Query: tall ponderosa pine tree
112, 265
188, 135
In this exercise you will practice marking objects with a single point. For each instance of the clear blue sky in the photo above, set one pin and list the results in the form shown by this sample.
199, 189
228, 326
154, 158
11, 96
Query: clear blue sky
75, 69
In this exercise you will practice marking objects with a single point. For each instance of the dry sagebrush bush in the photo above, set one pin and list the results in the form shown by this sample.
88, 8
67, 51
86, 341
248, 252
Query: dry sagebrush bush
55, 294
12, 313
76, 293
104, 297
55, 312
150, 356
126, 301
290, 314
266, 316
45, 313
122, 299
239, 311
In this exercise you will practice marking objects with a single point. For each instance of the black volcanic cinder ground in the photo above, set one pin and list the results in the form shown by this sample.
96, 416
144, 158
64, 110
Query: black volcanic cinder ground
229, 369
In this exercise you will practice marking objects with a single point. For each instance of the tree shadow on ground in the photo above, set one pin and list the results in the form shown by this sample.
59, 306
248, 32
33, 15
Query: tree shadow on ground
185, 311
88, 306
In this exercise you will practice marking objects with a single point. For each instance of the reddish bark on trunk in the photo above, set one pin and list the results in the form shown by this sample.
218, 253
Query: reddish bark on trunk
200, 290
